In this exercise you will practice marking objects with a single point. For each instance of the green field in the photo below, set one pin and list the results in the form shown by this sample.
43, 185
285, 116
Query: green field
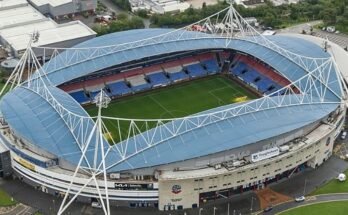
175, 101
5, 199
327, 208
333, 186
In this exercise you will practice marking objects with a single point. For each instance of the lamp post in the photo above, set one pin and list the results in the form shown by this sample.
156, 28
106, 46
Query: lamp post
304, 188
215, 208
54, 206
251, 205
200, 211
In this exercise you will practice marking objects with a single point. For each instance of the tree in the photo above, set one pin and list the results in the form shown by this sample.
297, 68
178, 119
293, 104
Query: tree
100, 29
124, 4
122, 16
142, 13
329, 16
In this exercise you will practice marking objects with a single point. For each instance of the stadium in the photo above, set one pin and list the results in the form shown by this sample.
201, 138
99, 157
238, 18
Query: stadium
171, 118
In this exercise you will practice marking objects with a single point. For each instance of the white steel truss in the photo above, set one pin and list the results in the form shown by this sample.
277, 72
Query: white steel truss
321, 84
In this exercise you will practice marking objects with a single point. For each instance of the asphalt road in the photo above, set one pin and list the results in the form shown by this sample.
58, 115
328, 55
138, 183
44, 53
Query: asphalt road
313, 178
299, 28
340, 39
309, 200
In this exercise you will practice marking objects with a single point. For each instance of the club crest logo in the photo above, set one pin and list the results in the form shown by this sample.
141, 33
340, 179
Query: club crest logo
176, 189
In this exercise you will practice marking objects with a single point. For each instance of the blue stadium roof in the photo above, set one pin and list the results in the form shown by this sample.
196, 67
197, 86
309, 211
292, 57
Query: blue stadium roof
79, 69
222, 136
98, 60
34, 119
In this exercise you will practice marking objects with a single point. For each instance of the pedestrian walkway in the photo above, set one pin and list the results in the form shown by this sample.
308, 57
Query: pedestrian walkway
18, 209
341, 150
269, 197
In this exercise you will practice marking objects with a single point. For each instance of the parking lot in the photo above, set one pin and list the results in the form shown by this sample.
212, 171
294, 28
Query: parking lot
339, 39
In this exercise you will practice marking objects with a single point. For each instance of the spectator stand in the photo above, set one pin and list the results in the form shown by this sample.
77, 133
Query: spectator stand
139, 83
176, 74
211, 66
92, 91
118, 88
80, 96
158, 79
195, 70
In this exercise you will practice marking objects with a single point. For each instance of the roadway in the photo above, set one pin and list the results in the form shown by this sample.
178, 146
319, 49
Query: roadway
309, 200
340, 39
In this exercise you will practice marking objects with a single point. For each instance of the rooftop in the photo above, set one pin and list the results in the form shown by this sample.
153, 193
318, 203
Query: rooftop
5, 4
53, 3
50, 33
18, 16
19, 21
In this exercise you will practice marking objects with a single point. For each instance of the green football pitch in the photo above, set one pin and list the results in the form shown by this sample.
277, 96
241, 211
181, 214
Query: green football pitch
173, 101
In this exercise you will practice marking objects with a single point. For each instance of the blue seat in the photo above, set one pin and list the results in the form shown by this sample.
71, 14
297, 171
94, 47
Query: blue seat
196, 70
264, 84
211, 66
158, 79
250, 76
93, 94
238, 68
80, 96
178, 76
141, 87
119, 88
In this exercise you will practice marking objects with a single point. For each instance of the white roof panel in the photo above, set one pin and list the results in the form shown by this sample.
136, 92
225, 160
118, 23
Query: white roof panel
12, 3
53, 3
59, 33
27, 29
19, 15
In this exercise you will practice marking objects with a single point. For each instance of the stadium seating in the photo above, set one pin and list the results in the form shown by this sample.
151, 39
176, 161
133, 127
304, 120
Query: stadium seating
119, 88
178, 76
238, 68
211, 66
264, 84
158, 79
263, 69
144, 78
141, 87
250, 76
80, 96
253, 77
195, 70
93, 94
139, 83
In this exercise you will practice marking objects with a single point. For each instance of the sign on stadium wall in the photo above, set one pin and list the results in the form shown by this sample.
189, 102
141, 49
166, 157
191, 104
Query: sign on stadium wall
259, 156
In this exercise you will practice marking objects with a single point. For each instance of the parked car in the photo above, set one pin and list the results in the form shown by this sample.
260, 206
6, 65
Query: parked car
300, 199
343, 135
268, 208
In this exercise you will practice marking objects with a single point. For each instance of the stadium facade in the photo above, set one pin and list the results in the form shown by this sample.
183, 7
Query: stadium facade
175, 163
